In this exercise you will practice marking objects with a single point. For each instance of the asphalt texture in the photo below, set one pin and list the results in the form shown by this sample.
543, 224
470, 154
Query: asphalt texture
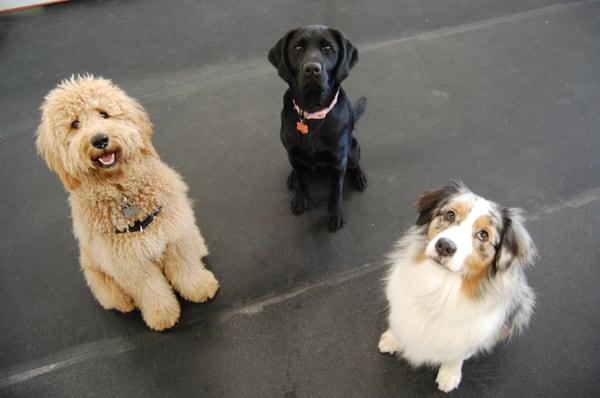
503, 95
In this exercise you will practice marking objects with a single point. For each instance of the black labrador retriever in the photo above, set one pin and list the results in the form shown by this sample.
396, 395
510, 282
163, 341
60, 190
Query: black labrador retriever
317, 120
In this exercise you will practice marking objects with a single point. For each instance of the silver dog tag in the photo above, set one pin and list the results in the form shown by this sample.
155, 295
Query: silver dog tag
129, 209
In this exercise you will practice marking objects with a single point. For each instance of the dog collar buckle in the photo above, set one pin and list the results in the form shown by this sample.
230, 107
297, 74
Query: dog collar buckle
140, 225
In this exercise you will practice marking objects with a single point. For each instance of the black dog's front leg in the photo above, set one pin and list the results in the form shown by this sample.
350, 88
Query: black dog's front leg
301, 198
335, 219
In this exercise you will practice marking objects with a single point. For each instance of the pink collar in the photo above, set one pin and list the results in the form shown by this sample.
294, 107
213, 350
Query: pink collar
318, 114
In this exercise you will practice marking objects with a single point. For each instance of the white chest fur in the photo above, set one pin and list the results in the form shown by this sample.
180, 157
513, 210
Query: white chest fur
432, 320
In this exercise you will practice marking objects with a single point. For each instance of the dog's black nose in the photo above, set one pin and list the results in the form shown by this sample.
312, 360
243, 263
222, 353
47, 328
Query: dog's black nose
445, 247
311, 69
100, 140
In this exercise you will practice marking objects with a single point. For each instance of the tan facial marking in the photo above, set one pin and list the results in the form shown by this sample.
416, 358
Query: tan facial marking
472, 283
477, 265
419, 258
435, 227
484, 222
462, 210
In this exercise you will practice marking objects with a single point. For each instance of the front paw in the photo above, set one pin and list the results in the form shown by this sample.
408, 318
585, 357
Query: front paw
161, 316
359, 179
448, 379
299, 203
115, 299
292, 182
387, 343
204, 288
335, 222
124, 305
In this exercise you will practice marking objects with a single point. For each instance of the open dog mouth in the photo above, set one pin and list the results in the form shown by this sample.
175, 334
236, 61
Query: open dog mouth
106, 160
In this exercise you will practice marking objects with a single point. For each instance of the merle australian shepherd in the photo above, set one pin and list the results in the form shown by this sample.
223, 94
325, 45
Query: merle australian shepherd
457, 284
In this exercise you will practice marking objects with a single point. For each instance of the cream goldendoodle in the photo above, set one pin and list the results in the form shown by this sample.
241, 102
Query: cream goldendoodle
135, 225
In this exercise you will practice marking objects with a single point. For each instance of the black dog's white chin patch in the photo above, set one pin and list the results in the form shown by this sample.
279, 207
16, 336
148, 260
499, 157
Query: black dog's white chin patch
107, 160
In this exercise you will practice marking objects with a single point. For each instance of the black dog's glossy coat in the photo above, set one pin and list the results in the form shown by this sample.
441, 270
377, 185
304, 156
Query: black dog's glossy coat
330, 142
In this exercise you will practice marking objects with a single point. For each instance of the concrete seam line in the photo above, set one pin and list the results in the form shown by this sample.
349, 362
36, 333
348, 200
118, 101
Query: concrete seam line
118, 345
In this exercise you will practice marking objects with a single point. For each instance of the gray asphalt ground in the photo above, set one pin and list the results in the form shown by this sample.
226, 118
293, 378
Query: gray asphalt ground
504, 95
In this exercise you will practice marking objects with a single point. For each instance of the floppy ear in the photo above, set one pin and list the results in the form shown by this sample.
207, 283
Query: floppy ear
347, 58
278, 56
134, 110
49, 151
146, 130
516, 246
428, 201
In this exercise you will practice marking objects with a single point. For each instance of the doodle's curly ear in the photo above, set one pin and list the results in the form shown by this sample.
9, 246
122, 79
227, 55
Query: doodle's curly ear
516, 246
428, 201
278, 56
49, 149
347, 58
136, 112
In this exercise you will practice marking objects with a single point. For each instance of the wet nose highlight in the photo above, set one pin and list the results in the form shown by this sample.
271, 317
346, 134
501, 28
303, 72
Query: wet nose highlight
100, 140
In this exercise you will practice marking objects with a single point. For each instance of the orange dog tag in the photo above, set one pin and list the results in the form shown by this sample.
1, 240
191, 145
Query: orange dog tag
301, 127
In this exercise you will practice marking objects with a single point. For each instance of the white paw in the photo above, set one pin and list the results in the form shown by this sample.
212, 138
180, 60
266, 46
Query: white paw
448, 379
387, 343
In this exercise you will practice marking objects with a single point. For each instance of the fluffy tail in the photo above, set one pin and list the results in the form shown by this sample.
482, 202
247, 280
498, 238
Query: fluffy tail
359, 108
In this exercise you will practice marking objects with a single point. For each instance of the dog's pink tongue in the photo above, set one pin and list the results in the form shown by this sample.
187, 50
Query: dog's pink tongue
107, 158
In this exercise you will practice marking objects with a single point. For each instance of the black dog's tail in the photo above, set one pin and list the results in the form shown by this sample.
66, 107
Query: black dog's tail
359, 108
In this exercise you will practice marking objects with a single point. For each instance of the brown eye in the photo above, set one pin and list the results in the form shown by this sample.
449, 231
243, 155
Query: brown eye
327, 48
75, 124
104, 115
449, 216
483, 235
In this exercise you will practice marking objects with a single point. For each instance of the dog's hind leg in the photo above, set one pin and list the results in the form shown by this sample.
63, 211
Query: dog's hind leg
519, 318
104, 288
357, 175
183, 267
